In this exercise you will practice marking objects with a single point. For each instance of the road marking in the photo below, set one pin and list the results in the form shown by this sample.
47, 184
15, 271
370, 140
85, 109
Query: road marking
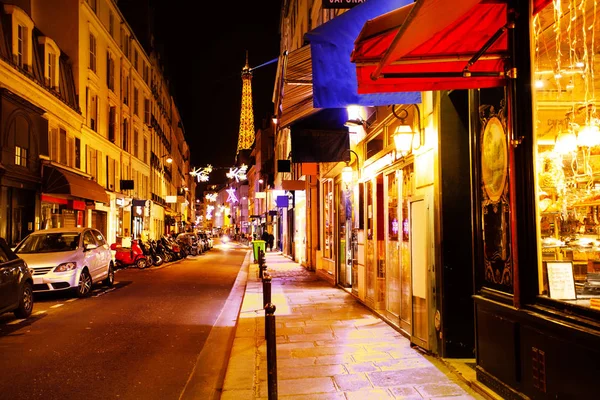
71, 300
57, 305
38, 313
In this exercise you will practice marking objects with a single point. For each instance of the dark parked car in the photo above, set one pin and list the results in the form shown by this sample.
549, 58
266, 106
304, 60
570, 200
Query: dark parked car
16, 283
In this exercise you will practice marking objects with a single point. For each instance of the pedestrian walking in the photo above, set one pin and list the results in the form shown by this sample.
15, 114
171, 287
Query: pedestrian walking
270, 240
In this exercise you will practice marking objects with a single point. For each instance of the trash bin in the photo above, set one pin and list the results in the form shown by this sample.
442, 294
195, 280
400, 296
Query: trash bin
256, 245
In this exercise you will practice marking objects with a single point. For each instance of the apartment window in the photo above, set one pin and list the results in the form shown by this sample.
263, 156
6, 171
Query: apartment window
147, 111
110, 173
93, 5
21, 43
52, 70
112, 121
62, 141
125, 144
53, 144
77, 153
92, 52
92, 103
135, 59
135, 143
146, 73
110, 71
126, 90
145, 155
125, 42
20, 156
136, 104
111, 23
92, 162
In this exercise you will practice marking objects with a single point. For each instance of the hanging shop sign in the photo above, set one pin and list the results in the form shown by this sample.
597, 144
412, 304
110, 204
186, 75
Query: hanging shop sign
338, 4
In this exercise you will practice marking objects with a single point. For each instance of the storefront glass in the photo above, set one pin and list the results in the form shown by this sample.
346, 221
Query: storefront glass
405, 256
393, 247
568, 152
328, 221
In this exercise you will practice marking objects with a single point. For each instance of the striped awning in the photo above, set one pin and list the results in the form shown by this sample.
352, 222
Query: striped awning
297, 96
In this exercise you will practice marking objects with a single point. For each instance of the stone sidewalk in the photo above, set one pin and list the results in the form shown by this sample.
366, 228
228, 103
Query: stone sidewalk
329, 346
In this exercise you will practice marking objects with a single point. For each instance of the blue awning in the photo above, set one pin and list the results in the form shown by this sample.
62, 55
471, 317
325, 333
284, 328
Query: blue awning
334, 76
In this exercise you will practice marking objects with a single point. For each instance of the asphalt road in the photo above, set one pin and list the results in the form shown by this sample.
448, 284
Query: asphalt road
145, 338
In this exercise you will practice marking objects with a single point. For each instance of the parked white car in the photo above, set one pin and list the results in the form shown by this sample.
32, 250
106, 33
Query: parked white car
67, 258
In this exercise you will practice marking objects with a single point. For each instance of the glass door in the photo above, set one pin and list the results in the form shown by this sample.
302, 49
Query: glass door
406, 177
392, 246
370, 243
344, 214
418, 244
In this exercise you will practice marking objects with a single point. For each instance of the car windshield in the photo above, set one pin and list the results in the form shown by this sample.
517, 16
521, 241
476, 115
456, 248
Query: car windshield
49, 243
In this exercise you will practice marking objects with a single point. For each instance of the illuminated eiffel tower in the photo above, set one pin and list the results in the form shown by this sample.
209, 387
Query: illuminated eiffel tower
246, 137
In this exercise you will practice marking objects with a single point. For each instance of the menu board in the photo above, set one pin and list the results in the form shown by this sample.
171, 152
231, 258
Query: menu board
561, 283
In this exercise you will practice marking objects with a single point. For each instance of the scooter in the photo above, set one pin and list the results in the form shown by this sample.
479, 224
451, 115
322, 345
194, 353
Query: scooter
125, 256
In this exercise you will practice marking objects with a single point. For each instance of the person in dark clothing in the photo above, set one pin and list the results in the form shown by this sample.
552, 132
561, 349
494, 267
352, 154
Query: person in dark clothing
265, 236
270, 241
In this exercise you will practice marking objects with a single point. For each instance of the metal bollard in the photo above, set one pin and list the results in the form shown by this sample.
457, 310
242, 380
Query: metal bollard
271, 336
266, 289
262, 267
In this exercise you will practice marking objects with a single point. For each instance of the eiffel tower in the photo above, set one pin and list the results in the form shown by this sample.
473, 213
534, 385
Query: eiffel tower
246, 137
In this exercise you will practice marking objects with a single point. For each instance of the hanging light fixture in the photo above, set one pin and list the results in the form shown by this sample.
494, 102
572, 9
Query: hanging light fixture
347, 174
406, 138
403, 139
566, 142
589, 136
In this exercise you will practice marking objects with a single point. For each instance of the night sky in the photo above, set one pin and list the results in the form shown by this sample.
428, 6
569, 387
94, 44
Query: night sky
204, 66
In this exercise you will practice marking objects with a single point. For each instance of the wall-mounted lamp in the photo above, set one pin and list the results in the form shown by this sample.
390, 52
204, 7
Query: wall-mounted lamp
168, 160
347, 171
406, 139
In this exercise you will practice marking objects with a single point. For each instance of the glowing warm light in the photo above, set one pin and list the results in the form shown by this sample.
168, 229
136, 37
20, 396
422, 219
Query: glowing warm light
212, 197
239, 174
589, 136
403, 139
566, 142
347, 174
539, 84
201, 174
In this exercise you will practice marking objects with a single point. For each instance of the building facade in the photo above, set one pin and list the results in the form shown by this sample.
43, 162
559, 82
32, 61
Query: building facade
108, 119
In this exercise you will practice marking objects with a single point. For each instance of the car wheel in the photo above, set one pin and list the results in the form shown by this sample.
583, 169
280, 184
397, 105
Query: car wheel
25, 302
85, 284
140, 263
110, 278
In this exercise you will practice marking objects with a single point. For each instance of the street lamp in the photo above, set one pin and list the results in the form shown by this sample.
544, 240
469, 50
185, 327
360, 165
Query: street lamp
347, 171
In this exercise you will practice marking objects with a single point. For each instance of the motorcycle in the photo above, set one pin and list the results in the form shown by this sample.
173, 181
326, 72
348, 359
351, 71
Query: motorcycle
155, 254
126, 256
147, 253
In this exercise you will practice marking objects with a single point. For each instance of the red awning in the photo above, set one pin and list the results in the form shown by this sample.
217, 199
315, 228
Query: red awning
428, 45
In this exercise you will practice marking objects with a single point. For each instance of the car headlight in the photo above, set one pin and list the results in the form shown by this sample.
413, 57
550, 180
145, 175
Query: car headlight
64, 267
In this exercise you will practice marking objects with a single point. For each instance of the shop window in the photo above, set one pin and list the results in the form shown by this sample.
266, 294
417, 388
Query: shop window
328, 219
567, 153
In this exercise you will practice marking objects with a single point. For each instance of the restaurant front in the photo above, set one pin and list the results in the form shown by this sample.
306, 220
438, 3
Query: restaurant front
514, 263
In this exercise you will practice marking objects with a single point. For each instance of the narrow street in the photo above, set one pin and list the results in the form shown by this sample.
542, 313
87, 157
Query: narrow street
138, 339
